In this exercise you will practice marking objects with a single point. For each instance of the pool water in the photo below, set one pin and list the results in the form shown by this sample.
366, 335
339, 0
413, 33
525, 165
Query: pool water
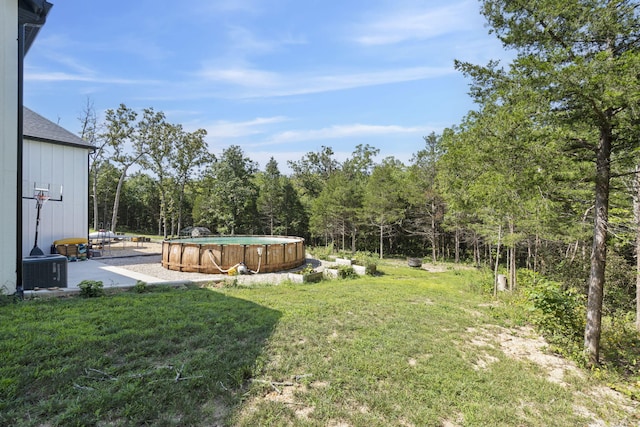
235, 240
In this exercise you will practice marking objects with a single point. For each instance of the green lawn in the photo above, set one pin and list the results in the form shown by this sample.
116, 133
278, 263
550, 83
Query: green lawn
408, 348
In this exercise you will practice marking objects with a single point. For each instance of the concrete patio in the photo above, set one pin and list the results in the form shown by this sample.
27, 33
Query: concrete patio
125, 269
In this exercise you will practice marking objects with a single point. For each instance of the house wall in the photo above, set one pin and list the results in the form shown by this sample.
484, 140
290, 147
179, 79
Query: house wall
8, 143
57, 165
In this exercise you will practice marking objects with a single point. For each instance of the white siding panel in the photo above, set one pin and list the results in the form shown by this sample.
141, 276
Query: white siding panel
57, 165
8, 144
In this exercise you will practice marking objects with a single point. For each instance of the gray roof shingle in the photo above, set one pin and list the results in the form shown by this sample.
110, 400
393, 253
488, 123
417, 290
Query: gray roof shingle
38, 128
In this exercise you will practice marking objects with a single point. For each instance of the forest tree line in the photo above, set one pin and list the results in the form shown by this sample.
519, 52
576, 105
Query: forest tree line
543, 174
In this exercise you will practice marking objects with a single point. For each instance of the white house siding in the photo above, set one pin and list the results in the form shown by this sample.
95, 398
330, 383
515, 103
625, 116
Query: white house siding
58, 165
8, 144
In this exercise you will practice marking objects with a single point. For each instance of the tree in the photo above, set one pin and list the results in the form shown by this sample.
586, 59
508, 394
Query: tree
119, 131
229, 192
89, 133
426, 207
191, 154
329, 210
157, 140
313, 171
384, 205
139, 204
107, 177
295, 220
356, 171
582, 55
271, 195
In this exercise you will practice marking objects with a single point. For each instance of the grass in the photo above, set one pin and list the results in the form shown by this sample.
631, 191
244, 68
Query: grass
396, 349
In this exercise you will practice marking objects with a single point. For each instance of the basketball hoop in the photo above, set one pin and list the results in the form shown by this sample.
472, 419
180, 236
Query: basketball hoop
42, 196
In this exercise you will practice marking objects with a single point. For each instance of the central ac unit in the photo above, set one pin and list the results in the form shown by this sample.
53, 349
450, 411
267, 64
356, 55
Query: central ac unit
47, 271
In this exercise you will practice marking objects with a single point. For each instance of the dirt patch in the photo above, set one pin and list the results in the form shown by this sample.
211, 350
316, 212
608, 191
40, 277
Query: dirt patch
525, 344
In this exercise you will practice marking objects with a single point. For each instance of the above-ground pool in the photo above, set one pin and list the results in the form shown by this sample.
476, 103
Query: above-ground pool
218, 254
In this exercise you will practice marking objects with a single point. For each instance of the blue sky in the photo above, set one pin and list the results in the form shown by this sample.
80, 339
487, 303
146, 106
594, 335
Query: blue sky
277, 77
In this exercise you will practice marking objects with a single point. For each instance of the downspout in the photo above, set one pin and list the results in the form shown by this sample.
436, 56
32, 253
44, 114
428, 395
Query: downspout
35, 16
89, 203
19, 232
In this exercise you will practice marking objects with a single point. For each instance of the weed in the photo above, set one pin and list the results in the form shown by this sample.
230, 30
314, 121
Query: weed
367, 260
91, 288
346, 272
308, 269
322, 252
140, 287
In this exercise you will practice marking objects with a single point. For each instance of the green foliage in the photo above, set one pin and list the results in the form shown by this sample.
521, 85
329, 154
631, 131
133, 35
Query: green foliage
140, 287
321, 252
621, 353
91, 288
308, 269
557, 312
366, 259
8, 299
346, 272
620, 292
313, 170
228, 193
384, 201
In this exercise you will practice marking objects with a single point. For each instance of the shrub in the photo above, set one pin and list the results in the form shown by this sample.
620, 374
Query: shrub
367, 260
308, 269
322, 252
620, 291
557, 312
91, 288
140, 287
346, 272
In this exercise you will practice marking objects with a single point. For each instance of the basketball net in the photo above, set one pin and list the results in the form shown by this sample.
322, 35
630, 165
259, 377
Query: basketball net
41, 197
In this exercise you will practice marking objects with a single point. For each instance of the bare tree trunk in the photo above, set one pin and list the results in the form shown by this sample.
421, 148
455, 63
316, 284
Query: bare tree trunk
116, 200
495, 270
593, 327
535, 253
457, 244
95, 200
180, 202
353, 240
476, 249
636, 217
512, 260
381, 239
433, 232
271, 224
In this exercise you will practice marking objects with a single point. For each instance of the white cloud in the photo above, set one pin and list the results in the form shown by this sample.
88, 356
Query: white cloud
243, 41
226, 129
261, 83
61, 76
246, 6
342, 131
411, 24
242, 77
